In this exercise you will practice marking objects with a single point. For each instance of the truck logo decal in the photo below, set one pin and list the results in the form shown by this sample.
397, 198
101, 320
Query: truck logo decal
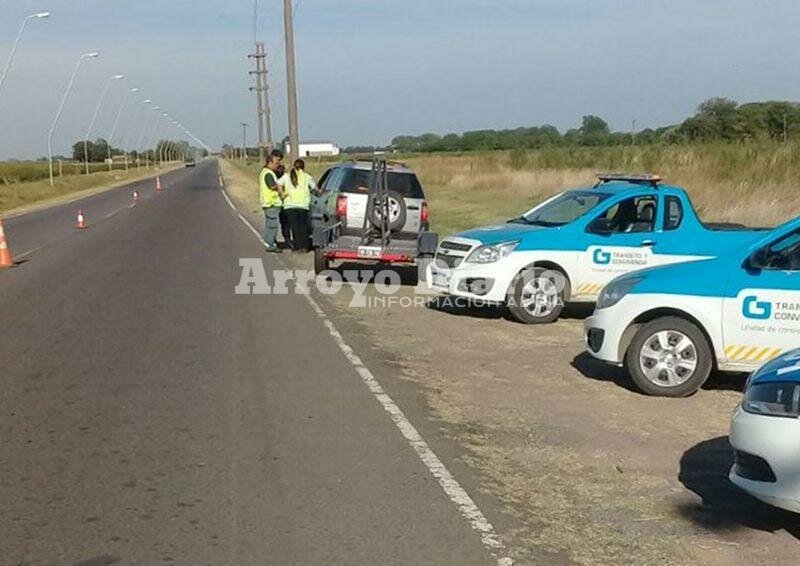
755, 309
600, 257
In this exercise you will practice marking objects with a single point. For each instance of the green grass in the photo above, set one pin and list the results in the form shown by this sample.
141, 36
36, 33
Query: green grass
23, 193
13, 172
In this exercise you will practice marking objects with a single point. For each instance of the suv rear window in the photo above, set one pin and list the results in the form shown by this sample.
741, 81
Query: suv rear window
357, 181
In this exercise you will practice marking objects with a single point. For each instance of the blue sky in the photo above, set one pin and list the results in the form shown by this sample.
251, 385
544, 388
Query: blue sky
372, 69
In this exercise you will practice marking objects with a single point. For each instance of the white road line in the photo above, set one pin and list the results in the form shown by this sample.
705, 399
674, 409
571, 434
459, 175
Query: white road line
29, 252
448, 483
225, 194
252, 229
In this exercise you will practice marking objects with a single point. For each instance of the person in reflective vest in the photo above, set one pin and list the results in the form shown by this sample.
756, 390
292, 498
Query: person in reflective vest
285, 232
271, 195
298, 186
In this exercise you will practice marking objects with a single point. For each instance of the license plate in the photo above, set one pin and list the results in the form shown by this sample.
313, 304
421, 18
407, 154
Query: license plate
440, 280
370, 252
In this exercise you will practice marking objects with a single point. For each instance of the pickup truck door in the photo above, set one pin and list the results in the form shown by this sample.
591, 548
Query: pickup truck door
620, 240
761, 308
675, 238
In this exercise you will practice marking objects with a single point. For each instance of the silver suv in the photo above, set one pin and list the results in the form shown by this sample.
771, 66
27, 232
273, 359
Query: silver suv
348, 218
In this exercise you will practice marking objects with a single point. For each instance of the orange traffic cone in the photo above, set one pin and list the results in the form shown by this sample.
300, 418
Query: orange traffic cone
135, 195
158, 184
80, 224
5, 253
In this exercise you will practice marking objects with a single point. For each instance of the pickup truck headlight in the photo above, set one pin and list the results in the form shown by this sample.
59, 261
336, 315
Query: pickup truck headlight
492, 253
773, 398
615, 291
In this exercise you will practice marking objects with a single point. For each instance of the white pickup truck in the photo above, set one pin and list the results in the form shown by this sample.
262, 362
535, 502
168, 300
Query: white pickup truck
670, 326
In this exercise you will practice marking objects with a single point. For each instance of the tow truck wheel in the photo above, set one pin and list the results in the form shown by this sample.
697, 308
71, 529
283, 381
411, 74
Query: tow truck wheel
321, 263
669, 357
536, 296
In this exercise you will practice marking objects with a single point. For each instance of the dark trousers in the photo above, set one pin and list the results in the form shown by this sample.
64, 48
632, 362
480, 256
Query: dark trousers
285, 230
298, 224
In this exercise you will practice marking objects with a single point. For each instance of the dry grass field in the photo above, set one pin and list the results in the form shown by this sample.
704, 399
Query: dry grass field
753, 184
589, 471
756, 185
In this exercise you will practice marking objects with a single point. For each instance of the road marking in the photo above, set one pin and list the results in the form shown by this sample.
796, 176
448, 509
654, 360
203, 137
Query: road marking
448, 483
225, 194
29, 252
252, 229
457, 494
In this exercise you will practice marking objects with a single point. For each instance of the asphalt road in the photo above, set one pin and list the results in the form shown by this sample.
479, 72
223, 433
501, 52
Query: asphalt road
149, 415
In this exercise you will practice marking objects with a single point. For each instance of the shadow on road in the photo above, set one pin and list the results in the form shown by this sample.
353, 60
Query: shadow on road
593, 368
577, 311
704, 471
462, 307
366, 273
719, 381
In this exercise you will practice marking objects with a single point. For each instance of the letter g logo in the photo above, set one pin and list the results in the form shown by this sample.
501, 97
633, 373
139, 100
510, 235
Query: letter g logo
753, 308
600, 257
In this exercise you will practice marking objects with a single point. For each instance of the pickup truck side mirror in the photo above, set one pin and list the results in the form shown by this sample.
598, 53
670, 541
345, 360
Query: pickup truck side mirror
757, 260
600, 225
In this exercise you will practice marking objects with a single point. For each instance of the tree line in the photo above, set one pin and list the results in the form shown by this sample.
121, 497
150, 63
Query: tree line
98, 150
716, 119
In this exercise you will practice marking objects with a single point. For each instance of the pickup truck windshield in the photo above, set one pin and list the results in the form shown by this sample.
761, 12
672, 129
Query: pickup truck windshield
562, 210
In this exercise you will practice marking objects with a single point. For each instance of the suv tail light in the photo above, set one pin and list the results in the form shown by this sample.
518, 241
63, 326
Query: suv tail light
341, 206
423, 215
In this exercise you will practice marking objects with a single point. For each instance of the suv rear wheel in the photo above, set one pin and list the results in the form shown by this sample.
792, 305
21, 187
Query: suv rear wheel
669, 357
536, 296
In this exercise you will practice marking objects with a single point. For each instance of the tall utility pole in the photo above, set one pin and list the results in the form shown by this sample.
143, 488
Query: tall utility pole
291, 80
262, 100
244, 141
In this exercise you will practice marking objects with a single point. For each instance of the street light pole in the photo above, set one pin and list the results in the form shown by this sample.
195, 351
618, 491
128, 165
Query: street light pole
40, 15
91, 55
138, 145
94, 117
116, 121
127, 138
163, 145
151, 138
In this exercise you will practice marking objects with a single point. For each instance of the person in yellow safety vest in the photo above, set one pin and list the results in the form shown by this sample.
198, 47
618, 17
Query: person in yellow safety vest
271, 194
285, 231
298, 186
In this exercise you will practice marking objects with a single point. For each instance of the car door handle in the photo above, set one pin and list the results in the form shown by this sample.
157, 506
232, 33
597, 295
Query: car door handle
649, 243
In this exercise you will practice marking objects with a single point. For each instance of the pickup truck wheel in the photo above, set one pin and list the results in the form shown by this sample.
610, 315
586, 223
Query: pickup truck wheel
536, 296
669, 357
321, 263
